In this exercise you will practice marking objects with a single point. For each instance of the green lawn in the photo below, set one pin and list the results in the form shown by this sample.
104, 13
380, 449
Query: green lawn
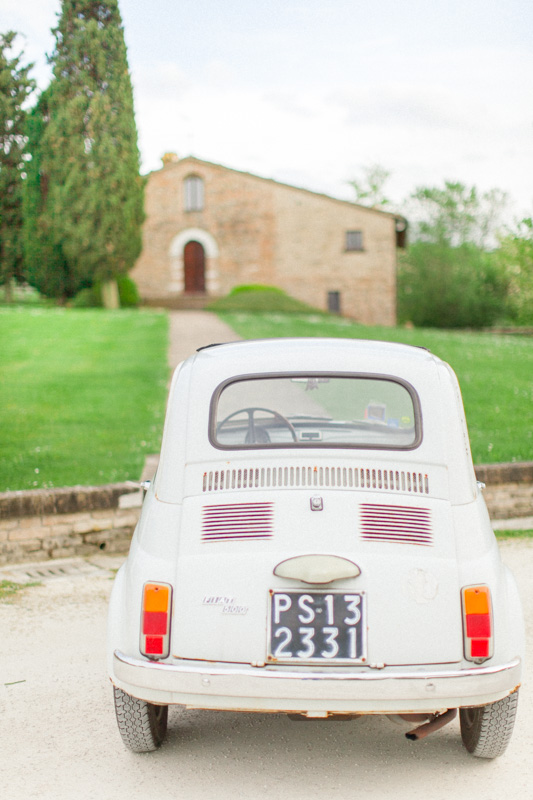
259, 298
515, 534
82, 394
495, 373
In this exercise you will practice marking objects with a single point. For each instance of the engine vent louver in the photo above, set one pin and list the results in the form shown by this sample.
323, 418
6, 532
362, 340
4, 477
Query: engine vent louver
236, 521
388, 480
398, 524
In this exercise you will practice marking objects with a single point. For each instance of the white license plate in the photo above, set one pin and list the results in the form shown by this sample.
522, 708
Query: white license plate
313, 627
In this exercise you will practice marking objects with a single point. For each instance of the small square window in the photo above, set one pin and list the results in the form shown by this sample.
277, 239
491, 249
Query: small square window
354, 240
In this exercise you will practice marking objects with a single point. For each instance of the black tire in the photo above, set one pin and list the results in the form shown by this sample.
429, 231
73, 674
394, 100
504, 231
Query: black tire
486, 730
142, 725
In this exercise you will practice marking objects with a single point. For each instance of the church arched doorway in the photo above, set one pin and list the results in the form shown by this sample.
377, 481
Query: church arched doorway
194, 268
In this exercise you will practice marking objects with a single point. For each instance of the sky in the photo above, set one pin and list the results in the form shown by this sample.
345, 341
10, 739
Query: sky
312, 93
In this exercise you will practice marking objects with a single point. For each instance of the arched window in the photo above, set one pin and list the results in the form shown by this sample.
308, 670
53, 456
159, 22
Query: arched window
194, 193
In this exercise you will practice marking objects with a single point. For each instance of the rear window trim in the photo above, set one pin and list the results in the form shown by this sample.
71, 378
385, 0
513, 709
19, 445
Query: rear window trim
313, 445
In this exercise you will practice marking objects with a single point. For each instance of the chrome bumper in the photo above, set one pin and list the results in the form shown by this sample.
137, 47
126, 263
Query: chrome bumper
244, 688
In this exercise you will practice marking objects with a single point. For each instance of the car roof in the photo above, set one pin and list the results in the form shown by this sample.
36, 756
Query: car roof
316, 341
318, 354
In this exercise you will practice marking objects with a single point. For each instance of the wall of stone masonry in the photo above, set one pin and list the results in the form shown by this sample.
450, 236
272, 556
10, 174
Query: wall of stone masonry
509, 489
40, 524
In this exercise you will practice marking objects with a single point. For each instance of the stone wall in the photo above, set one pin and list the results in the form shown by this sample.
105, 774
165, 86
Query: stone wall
509, 489
39, 524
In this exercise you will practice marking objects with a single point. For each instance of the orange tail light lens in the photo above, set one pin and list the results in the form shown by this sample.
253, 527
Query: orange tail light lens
477, 623
155, 621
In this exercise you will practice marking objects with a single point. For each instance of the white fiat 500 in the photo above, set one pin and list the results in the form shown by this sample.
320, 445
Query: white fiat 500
315, 543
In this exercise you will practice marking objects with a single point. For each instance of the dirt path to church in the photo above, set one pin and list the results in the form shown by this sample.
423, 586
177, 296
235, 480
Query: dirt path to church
192, 329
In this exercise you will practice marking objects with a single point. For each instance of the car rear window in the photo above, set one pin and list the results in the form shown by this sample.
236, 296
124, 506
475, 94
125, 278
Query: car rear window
315, 410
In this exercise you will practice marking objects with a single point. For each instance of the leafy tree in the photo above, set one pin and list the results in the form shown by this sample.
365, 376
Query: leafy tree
447, 278
15, 88
457, 214
87, 194
516, 258
450, 287
369, 190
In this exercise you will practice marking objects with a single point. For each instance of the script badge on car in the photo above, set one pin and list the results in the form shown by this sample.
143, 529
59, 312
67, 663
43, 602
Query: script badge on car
313, 627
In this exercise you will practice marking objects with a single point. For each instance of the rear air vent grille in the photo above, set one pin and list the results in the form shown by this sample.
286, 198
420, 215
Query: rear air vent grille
388, 480
398, 524
237, 521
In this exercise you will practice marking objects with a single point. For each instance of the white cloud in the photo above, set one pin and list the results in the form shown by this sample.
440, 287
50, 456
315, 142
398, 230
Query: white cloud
320, 139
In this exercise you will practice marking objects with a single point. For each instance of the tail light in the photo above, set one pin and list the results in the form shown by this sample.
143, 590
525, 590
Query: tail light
477, 623
155, 621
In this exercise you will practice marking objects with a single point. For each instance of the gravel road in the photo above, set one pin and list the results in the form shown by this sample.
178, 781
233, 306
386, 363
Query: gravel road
59, 737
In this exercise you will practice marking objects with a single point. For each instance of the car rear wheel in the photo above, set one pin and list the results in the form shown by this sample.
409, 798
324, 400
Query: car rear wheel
486, 730
142, 725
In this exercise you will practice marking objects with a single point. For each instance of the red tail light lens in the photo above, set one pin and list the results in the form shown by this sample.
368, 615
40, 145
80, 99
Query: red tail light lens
155, 620
477, 623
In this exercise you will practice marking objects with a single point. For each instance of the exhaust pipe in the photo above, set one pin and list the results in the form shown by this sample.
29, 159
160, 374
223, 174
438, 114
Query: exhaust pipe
436, 722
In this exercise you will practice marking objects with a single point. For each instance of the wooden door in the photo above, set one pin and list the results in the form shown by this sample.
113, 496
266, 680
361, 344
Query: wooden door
194, 267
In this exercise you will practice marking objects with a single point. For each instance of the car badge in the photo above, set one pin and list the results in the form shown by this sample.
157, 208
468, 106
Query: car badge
317, 504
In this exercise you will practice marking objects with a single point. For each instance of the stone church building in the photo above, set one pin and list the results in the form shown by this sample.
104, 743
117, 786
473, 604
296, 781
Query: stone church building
209, 228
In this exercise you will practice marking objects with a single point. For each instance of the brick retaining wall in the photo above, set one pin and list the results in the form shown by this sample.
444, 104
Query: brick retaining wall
52, 523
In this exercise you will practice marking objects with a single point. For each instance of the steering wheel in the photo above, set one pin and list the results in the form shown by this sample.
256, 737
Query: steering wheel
258, 435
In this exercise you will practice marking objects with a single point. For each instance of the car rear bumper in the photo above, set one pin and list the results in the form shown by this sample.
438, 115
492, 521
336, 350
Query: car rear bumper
367, 691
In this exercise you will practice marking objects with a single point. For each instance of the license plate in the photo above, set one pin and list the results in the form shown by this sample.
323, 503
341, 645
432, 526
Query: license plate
315, 627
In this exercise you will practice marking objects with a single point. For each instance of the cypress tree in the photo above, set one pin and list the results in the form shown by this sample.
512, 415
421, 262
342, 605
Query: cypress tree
15, 86
85, 195
44, 262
